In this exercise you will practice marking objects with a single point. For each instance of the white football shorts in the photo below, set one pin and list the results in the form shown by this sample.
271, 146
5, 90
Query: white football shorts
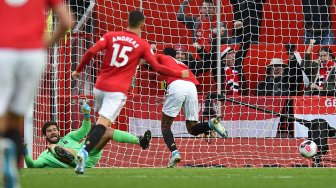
109, 104
182, 94
20, 74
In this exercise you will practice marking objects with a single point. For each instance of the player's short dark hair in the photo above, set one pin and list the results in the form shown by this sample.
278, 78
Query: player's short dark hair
135, 18
46, 125
208, 1
170, 51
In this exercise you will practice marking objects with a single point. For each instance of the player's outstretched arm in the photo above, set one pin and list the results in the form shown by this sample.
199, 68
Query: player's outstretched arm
86, 125
30, 162
101, 44
151, 59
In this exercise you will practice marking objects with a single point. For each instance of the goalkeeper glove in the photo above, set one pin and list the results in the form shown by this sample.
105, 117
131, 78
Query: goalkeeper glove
86, 110
25, 150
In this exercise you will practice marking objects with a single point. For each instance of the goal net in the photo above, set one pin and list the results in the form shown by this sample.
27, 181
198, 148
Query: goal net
256, 138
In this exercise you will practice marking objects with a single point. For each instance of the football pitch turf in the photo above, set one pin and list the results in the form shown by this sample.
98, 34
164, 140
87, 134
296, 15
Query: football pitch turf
181, 177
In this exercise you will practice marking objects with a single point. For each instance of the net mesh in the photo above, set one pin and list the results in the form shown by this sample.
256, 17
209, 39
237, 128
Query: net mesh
256, 138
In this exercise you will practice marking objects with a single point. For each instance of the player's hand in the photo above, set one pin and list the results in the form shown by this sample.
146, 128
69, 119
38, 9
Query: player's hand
160, 100
315, 86
75, 75
47, 41
312, 42
197, 46
25, 149
238, 24
153, 47
142, 61
222, 31
185, 74
86, 109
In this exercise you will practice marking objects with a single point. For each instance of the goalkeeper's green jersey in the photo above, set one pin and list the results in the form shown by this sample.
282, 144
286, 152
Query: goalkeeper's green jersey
72, 141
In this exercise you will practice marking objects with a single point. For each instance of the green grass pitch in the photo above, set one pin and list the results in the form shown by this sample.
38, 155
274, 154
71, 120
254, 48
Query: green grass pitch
180, 177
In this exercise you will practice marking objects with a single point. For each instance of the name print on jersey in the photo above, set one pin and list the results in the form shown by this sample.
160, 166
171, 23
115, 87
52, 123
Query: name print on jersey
126, 39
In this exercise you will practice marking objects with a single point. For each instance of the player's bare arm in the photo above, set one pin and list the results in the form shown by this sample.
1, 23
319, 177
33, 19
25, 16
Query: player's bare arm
101, 44
66, 21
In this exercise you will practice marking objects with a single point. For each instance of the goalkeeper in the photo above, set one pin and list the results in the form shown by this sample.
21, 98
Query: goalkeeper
61, 152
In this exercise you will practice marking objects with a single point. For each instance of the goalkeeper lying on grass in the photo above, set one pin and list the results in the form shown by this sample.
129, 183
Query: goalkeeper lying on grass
61, 151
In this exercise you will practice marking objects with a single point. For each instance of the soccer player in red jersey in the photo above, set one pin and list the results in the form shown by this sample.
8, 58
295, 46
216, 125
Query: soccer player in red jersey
22, 61
124, 50
182, 93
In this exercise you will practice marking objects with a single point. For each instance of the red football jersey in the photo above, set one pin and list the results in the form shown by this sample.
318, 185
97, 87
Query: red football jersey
174, 64
23, 22
123, 52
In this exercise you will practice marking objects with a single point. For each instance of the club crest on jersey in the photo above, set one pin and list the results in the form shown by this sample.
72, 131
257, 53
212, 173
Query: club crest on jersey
127, 39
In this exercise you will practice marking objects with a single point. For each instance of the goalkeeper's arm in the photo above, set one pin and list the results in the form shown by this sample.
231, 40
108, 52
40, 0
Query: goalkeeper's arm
38, 163
79, 134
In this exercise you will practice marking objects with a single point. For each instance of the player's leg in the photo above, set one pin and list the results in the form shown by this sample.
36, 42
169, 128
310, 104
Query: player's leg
124, 137
194, 128
119, 136
171, 107
8, 164
28, 66
8, 156
168, 137
214, 123
28, 74
191, 109
8, 59
108, 105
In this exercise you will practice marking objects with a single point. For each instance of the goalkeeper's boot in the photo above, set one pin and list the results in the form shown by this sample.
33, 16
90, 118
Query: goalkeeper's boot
86, 109
81, 160
8, 164
61, 154
144, 141
176, 158
215, 125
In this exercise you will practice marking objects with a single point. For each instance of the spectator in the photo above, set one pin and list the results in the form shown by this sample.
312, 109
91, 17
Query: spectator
317, 22
231, 84
297, 77
321, 72
247, 20
204, 28
229, 75
247, 17
276, 82
283, 79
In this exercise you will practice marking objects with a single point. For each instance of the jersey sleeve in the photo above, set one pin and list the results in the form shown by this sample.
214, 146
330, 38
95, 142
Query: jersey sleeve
40, 162
151, 59
81, 132
101, 44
